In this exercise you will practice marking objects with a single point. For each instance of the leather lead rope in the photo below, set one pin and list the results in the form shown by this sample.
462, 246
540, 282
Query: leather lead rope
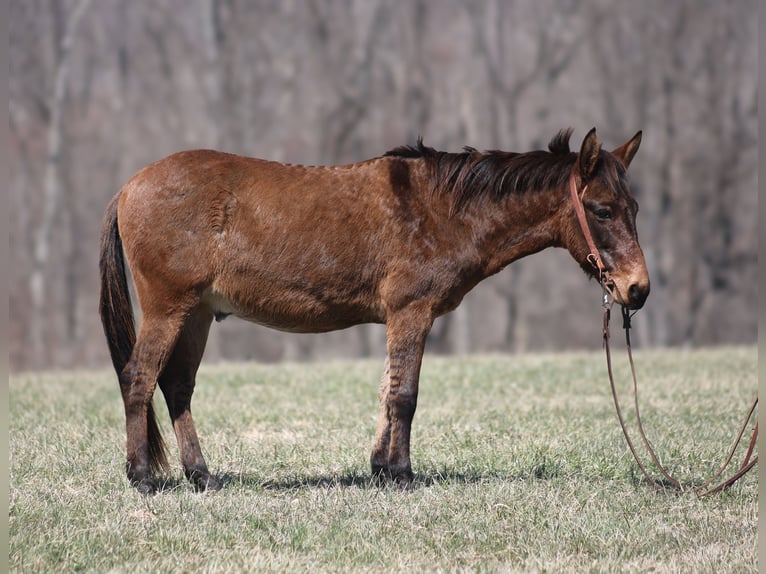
669, 483
700, 490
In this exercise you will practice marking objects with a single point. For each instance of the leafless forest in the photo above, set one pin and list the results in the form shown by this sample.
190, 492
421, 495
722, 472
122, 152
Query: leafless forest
99, 88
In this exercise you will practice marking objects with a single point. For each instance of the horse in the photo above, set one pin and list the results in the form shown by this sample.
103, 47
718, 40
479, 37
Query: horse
398, 239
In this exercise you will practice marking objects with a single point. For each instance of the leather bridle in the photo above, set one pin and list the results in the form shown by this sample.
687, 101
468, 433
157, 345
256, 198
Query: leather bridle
669, 483
594, 257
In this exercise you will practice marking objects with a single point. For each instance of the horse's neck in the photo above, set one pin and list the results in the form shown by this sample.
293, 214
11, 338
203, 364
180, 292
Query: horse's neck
501, 231
521, 225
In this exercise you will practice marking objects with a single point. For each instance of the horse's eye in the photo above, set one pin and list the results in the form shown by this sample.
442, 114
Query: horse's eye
603, 213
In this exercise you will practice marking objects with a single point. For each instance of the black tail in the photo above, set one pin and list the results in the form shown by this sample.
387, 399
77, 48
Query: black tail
117, 318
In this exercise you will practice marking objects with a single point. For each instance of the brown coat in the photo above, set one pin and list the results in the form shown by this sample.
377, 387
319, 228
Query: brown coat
398, 239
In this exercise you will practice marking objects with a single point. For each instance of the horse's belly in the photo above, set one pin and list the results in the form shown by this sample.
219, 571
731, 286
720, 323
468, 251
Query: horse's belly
293, 310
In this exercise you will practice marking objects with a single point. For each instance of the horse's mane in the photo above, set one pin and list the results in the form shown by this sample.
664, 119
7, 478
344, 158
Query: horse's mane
471, 175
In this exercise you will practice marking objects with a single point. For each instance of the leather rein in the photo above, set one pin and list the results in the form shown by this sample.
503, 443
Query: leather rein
667, 483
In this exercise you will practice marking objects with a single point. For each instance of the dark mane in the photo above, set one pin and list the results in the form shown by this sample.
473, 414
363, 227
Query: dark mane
471, 175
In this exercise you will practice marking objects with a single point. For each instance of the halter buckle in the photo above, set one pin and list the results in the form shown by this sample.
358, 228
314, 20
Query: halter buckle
606, 295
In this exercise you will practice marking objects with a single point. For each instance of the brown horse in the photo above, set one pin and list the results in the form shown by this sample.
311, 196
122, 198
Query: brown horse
398, 239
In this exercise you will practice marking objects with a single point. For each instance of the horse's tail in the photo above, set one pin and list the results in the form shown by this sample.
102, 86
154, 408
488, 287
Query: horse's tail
117, 319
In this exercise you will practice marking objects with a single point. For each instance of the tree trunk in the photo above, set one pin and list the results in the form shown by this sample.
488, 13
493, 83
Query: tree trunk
53, 185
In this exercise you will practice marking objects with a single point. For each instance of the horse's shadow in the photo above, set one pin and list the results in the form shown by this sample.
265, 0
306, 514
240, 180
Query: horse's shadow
252, 481
426, 479
353, 480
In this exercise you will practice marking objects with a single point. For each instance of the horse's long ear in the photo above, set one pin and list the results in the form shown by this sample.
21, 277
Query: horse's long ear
591, 146
627, 150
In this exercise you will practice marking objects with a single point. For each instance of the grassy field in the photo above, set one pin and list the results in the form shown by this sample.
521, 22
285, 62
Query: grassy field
520, 466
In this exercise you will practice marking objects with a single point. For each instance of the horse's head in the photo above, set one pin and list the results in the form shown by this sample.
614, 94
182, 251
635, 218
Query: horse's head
610, 211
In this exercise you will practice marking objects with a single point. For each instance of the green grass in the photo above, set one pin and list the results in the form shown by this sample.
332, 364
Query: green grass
520, 466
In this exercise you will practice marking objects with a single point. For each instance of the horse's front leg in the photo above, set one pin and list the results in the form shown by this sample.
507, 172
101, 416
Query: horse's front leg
406, 333
379, 457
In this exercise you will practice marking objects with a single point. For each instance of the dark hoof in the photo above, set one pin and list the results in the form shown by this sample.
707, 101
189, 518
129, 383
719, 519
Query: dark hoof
145, 486
204, 481
383, 475
141, 479
380, 474
209, 484
403, 480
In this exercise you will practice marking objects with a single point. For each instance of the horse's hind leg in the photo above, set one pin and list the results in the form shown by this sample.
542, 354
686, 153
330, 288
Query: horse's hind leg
154, 344
177, 384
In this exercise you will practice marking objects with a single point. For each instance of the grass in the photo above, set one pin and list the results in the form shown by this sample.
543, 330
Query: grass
520, 466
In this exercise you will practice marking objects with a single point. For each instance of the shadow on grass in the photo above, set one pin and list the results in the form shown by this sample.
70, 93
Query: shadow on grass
422, 480
542, 471
366, 481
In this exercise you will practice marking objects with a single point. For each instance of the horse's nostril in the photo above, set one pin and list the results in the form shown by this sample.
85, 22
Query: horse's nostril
637, 296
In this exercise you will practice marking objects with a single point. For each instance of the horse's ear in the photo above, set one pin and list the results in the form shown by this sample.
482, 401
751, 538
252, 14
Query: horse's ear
627, 150
591, 146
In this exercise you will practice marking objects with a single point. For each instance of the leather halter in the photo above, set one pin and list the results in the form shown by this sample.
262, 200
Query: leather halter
594, 257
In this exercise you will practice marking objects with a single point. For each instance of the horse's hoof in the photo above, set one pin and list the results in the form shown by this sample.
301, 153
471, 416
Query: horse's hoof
380, 474
383, 475
207, 483
203, 480
146, 486
404, 482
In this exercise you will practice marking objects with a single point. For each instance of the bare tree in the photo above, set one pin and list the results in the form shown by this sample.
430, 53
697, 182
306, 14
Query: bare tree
65, 31
517, 70
100, 89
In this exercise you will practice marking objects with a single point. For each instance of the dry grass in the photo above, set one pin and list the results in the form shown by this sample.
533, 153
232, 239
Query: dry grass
520, 466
